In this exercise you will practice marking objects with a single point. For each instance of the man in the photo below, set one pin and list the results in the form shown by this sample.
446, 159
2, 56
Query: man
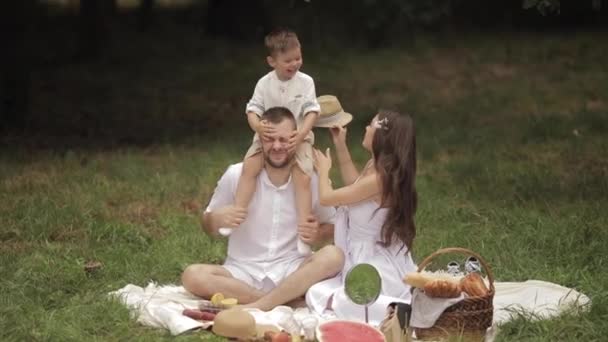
263, 268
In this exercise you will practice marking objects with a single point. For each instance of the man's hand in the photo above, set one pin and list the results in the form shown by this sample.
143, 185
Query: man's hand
294, 141
229, 216
309, 231
266, 130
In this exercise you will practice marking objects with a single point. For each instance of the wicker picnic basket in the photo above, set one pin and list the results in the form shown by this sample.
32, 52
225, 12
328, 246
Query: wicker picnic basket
469, 318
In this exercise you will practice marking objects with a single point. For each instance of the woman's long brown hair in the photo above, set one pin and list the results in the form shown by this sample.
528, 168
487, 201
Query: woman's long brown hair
394, 151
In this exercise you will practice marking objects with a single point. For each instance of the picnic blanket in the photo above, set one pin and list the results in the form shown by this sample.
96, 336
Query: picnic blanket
161, 306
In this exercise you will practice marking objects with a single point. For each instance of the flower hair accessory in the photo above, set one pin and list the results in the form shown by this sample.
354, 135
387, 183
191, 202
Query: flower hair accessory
381, 124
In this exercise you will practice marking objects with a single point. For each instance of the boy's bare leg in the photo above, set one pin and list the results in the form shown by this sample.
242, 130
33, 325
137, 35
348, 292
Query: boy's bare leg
252, 166
206, 280
303, 201
303, 193
323, 264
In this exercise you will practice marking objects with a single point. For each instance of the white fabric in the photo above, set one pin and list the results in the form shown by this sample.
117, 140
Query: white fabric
426, 310
342, 307
297, 94
161, 306
285, 318
540, 299
357, 233
265, 243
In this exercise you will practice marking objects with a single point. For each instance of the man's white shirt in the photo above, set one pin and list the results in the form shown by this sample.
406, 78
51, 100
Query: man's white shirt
266, 242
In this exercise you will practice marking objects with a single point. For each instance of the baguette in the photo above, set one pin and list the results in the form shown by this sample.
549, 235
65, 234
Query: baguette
420, 279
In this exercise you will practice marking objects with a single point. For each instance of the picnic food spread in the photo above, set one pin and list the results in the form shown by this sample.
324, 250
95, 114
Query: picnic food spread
209, 310
199, 315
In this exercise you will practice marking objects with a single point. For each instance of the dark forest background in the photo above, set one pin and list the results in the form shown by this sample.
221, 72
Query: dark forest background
118, 117
40, 37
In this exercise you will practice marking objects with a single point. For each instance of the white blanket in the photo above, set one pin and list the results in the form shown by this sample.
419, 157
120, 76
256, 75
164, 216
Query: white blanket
162, 306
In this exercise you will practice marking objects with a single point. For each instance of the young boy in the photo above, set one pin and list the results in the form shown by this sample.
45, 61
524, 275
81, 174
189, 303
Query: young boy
285, 86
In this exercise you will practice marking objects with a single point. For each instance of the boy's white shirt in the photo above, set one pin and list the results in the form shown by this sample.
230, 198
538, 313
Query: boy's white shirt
265, 243
297, 94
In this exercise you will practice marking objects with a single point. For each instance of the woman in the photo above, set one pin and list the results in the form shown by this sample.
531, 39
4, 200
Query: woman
375, 222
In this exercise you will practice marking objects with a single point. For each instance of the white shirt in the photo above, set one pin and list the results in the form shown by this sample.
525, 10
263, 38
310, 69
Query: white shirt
266, 242
297, 94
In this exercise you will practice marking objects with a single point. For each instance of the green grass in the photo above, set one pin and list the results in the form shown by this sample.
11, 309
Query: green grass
512, 141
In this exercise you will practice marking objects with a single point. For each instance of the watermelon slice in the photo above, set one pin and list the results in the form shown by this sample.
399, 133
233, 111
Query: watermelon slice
340, 331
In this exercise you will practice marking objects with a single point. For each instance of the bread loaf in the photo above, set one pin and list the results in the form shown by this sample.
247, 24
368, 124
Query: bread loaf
473, 285
442, 289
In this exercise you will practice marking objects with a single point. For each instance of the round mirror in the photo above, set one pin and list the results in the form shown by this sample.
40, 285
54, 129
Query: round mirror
363, 284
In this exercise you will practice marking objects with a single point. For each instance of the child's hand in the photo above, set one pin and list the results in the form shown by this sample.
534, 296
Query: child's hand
338, 134
308, 230
266, 130
322, 161
294, 141
229, 216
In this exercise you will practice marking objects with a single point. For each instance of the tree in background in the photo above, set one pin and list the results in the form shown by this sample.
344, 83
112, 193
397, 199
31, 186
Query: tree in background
17, 18
238, 19
94, 27
146, 13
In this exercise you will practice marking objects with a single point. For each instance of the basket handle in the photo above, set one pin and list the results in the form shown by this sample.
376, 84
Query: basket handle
459, 250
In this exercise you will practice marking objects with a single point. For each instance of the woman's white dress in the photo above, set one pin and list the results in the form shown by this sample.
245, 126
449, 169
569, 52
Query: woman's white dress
357, 233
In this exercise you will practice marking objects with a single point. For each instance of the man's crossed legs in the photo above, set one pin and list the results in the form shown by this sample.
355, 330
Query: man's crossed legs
205, 280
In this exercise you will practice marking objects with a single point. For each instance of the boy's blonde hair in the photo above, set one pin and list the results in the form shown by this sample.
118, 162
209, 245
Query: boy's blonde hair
281, 40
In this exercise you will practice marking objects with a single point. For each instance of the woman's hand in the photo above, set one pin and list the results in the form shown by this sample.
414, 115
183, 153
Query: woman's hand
322, 161
338, 134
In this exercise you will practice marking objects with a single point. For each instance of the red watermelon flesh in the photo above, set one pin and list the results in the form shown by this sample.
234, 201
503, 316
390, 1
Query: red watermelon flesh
342, 331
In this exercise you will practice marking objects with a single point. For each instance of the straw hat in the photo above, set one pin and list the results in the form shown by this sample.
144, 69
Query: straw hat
239, 324
234, 323
331, 113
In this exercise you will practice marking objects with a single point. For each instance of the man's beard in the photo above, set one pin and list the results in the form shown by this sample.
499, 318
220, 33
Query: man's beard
281, 165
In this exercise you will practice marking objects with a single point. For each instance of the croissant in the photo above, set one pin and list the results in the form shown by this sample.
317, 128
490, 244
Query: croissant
473, 285
442, 289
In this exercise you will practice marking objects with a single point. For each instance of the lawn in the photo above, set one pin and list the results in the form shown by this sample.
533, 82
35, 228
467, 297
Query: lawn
512, 134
